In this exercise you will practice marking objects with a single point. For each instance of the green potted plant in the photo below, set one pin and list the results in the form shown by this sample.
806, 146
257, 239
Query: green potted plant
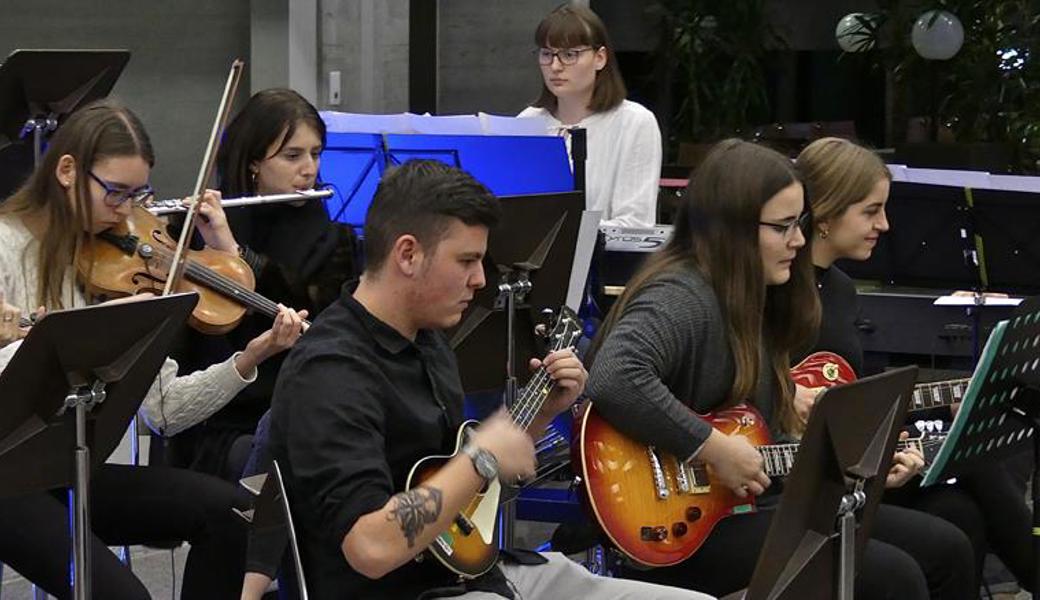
982, 105
716, 51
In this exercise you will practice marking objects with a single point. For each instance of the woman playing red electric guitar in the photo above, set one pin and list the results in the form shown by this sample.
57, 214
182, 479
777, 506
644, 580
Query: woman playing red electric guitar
848, 186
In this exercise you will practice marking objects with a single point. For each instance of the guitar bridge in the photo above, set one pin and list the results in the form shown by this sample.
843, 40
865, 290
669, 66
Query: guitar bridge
465, 525
659, 481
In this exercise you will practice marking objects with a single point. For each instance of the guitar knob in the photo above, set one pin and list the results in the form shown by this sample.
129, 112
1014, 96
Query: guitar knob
660, 533
693, 514
679, 529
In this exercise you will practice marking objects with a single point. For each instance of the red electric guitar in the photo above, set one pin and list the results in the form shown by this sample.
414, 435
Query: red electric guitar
659, 510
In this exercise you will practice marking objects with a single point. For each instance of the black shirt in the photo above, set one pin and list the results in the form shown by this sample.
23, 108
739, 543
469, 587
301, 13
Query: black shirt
355, 406
840, 309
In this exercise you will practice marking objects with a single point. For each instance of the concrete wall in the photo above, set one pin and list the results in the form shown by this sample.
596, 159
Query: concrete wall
284, 46
485, 55
367, 41
180, 55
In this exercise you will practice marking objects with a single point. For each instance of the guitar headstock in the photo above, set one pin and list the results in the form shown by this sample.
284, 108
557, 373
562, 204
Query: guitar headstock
566, 330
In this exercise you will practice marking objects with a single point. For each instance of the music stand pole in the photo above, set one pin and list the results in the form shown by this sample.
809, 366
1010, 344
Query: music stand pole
81, 399
39, 127
508, 294
850, 503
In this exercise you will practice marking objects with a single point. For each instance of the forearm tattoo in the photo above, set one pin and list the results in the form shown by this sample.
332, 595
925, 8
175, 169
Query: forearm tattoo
414, 510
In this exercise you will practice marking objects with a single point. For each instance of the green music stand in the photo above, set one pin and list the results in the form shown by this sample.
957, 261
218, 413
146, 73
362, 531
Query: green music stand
1000, 414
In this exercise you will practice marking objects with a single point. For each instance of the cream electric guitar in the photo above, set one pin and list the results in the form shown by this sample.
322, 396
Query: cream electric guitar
469, 547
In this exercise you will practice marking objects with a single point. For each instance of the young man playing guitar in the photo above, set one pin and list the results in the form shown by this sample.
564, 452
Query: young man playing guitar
848, 186
374, 387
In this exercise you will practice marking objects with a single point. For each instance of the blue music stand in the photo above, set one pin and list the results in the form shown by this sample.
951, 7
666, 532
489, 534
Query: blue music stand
507, 165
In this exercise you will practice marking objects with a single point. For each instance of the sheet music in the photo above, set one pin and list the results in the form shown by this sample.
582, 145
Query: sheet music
582, 257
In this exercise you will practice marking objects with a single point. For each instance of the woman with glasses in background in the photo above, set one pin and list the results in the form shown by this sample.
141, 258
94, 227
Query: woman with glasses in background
582, 87
96, 167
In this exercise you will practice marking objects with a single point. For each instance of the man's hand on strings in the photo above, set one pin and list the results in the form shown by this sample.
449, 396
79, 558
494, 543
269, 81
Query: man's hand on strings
565, 368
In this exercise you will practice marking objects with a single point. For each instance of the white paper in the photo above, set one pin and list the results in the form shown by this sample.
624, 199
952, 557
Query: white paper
583, 249
970, 301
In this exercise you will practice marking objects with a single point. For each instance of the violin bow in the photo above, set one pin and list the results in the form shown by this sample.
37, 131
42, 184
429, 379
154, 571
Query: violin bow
205, 172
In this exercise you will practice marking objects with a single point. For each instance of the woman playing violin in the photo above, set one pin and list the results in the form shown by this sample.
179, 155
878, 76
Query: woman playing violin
97, 166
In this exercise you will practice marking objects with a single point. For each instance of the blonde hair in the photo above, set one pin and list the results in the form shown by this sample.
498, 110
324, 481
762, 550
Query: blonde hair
838, 173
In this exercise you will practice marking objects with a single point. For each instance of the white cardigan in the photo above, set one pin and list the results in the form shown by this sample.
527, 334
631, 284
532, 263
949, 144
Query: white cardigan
623, 164
173, 403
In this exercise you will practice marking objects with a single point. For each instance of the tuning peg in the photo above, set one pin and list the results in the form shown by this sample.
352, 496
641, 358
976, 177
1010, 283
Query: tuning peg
545, 322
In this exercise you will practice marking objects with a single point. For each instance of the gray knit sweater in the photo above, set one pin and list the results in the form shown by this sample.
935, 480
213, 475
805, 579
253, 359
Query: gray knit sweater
669, 353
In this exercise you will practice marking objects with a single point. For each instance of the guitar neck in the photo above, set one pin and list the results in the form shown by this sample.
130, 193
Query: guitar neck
939, 393
531, 398
779, 458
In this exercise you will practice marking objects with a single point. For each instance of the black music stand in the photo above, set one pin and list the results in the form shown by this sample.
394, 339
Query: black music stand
529, 260
40, 87
839, 475
69, 392
1000, 413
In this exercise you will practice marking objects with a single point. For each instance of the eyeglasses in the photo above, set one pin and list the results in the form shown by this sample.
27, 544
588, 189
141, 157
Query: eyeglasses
116, 195
567, 56
787, 228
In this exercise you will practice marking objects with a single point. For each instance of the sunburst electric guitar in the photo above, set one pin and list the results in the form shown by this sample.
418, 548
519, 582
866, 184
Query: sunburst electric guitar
659, 510
469, 547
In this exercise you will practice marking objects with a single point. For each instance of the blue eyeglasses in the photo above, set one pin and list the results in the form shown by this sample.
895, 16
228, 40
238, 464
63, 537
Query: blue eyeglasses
116, 195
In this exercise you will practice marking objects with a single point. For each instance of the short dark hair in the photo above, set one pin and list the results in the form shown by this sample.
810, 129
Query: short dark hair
420, 198
254, 129
569, 26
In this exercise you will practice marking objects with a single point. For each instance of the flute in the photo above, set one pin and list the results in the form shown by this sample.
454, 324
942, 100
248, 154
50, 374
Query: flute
176, 205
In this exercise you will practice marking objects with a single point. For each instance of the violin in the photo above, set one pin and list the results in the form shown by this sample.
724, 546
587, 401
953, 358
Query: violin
136, 255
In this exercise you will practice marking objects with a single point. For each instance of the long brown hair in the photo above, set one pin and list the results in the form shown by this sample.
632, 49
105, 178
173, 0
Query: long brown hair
99, 130
569, 26
716, 233
838, 173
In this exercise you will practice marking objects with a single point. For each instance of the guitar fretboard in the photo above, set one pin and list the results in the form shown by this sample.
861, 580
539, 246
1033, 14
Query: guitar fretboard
779, 458
532, 396
940, 393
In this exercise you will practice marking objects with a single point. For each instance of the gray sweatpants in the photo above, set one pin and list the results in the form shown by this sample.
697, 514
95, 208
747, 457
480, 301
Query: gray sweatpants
564, 579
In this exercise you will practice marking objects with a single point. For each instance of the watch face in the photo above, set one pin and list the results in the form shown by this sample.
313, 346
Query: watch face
486, 464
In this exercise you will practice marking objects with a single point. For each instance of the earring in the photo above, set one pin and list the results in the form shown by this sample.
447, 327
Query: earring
823, 234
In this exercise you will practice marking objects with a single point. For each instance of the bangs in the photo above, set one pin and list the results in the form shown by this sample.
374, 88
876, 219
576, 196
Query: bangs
564, 29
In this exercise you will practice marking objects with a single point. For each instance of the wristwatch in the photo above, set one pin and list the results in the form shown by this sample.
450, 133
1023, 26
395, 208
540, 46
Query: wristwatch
484, 462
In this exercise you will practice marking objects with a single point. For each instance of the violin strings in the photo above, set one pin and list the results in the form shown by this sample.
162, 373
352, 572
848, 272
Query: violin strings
222, 284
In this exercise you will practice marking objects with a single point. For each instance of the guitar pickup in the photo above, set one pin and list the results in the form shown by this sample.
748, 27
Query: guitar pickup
465, 525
